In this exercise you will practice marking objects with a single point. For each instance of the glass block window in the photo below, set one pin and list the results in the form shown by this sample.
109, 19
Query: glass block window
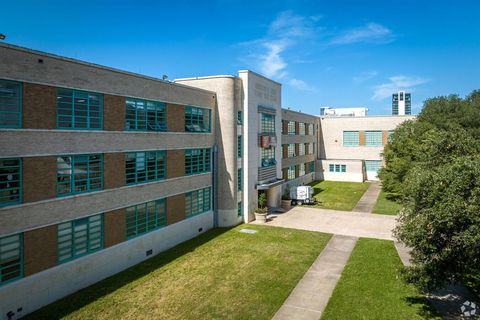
337, 168
301, 149
197, 119
239, 209
301, 169
79, 237
267, 123
10, 181
10, 104
239, 179
197, 201
291, 127
197, 161
79, 110
291, 150
310, 148
351, 138
311, 166
311, 131
390, 135
144, 115
301, 128
79, 174
239, 117
268, 157
145, 166
145, 217
239, 147
11, 258
291, 173
373, 165
373, 138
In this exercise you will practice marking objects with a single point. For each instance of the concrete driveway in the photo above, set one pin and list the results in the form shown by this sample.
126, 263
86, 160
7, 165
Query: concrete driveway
348, 223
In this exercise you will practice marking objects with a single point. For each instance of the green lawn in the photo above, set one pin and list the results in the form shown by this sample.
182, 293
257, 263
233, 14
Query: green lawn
386, 206
338, 195
222, 274
370, 287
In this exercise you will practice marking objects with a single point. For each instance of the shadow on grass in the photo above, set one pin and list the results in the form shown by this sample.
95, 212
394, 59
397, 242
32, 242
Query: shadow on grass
83, 297
426, 310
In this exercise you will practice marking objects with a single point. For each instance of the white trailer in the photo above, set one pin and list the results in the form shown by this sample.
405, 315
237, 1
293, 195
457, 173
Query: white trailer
301, 195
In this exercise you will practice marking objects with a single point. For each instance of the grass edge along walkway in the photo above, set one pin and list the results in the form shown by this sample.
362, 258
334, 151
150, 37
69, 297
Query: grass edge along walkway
385, 205
338, 195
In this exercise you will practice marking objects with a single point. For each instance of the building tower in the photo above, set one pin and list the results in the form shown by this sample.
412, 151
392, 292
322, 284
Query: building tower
401, 103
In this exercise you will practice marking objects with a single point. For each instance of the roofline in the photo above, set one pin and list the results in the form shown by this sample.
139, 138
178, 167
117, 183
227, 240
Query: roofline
229, 76
371, 116
259, 75
302, 113
90, 64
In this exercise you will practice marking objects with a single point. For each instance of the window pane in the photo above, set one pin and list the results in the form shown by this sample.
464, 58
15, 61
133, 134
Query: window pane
79, 173
10, 181
11, 258
79, 109
10, 104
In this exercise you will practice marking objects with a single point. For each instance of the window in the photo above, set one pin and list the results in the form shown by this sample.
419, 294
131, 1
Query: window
239, 147
79, 174
239, 209
390, 135
310, 129
197, 201
239, 179
373, 165
301, 169
337, 168
310, 148
301, 149
291, 127
197, 161
291, 150
11, 258
10, 181
79, 237
267, 123
10, 104
144, 166
351, 138
197, 119
301, 128
145, 217
268, 157
373, 138
291, 173
144, 115
79, 109
311, 166
239, 118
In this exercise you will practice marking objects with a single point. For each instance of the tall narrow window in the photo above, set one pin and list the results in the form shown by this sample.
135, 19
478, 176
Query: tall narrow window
267, 123
351, 138
291, 173
311, 166
239, 118
291, 127
268, 157
145, 217
239, 179
10, 104
301, 169
145, 166
79, 174
239, 147
144, 115
373, 138
80, 237
301, 128
11, 258
197, 201
197, 119
301, 149
291, 150
197, 161
79, 110
10, 181
239, 209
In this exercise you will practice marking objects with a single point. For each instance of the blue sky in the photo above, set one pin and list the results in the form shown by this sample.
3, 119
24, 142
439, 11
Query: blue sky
325, 53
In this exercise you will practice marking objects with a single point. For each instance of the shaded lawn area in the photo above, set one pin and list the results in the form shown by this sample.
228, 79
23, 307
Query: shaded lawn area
222, 274
385, 205
370, 287
338, 195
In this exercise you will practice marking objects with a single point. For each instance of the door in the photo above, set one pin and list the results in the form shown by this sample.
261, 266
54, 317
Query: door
372, 167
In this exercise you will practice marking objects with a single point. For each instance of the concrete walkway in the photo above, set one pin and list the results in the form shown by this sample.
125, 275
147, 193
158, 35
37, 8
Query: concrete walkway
310, 297
369, 198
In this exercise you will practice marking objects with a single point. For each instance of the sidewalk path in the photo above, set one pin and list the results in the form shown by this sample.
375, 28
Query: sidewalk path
310, 297
369, 198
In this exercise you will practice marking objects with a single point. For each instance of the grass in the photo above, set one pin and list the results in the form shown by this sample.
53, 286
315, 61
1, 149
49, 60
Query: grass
338, 195
222, 274
385, 205
370, 287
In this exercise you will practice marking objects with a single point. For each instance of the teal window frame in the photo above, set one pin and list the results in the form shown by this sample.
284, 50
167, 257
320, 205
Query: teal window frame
79, 180
239, 117
311, 166
198, 119
79, 237
145, 115
239, 209
268, 157
11, 104
197, 161
11, 258
338, 168
145, 166
239, 179
291, 129
239, 147
198, 202
351, 138
10, 181
76, 105
291, 172
145, 217
373, 138
267, 123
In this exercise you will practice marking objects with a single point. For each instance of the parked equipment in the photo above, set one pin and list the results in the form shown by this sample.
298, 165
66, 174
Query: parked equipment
301, 195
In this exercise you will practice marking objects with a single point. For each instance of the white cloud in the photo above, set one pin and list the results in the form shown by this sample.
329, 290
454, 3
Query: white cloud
365, 76
371, 32
395, 84
301, 85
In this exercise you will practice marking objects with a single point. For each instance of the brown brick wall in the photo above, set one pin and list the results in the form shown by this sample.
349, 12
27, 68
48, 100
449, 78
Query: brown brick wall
114, 225
175, 163
175, 117
285, 151
306, 129
113, 170
297, 149
362, 138
384, 137
113, 113
285, 173
39, 106
39, 178
284, 127
175, 208
297, 171
39, 249
297, 128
